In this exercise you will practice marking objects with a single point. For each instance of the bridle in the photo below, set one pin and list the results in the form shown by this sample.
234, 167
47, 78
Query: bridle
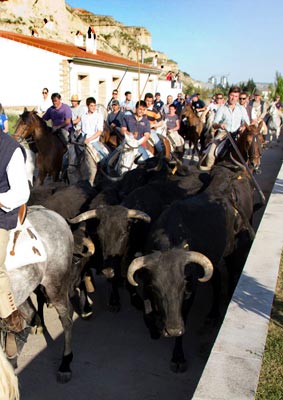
253, 150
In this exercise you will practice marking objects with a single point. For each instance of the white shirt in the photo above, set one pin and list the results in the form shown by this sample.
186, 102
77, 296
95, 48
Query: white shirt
18, 193
233, 119
44, 105
91, 123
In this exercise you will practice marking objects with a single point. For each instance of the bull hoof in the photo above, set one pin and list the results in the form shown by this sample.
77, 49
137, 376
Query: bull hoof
37, 330
64, 377
64, 373
87, 312
178, 366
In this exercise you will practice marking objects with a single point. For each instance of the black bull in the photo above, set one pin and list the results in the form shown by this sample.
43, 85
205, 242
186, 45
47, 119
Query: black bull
117, 238
212, 223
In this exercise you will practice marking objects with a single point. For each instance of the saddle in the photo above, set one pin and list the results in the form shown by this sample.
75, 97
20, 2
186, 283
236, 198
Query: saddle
24, 246
76, 148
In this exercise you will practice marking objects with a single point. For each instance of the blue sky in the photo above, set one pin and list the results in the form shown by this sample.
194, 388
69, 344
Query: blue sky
237, 38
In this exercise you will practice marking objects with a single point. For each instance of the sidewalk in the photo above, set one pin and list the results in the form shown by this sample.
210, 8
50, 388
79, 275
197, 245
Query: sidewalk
233, 368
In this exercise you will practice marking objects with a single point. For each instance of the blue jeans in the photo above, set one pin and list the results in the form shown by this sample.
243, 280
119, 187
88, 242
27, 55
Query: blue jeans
102, 151
156, 141
143, 152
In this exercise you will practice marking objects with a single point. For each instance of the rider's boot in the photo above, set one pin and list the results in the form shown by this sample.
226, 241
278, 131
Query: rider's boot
208, 160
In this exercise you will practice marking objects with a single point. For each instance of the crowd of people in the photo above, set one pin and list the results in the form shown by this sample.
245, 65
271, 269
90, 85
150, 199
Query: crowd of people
88, 121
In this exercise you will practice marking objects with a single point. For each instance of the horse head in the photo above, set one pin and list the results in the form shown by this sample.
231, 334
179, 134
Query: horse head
26, 125
250, 145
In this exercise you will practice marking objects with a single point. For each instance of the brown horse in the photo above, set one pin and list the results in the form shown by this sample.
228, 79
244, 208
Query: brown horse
246, 148
191, 128
49, 145
249, 143
111, 137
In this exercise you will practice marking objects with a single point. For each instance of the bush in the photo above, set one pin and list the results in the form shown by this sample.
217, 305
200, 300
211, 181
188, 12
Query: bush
12, 118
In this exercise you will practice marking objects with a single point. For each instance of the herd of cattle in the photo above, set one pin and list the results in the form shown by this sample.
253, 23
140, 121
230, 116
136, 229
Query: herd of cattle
160, 234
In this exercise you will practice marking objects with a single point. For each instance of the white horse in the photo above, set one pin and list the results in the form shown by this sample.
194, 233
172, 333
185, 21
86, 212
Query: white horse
128, 152
30, 165
274, 122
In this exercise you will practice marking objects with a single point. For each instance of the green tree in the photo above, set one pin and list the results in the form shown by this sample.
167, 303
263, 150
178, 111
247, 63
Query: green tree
278, 86
249, 87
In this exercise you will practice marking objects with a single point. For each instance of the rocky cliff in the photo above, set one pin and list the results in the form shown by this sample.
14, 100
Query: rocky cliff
27, 16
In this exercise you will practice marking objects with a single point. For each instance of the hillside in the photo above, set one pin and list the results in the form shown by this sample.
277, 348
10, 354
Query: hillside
24, 16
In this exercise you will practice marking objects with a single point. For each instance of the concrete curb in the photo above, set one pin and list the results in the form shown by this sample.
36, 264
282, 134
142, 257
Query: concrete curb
233, 368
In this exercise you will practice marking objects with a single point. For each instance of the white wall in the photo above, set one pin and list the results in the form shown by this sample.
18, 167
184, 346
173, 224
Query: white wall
96, 74
24, 72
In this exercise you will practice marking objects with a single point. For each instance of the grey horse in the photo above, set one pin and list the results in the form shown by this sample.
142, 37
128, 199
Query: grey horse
56, 276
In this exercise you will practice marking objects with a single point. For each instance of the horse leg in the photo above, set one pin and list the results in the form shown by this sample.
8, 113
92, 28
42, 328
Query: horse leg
40, 178
32, 316
63, 306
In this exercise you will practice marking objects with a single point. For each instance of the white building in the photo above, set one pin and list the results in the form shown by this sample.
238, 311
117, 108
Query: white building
34, 63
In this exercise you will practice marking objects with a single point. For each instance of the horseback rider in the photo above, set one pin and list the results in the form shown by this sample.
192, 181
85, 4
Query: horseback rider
60, 115
229, 117
92, 128
14, 191
138, 125
155, 120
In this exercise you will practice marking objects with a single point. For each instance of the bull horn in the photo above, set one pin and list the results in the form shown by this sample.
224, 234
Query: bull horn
88, 243
139, 263
136, 264
139, 215
112, 178
202, 260
238, 163
83, 217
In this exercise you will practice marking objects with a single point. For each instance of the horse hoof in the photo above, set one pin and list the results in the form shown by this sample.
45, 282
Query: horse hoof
64, 377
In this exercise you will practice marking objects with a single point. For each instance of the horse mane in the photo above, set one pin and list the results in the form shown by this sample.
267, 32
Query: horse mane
27, 116
9, 389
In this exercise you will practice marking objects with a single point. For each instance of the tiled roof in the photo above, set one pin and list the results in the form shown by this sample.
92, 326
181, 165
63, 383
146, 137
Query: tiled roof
72, 51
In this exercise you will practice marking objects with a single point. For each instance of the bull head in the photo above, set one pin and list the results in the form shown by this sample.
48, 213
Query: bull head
137, 214
190, 257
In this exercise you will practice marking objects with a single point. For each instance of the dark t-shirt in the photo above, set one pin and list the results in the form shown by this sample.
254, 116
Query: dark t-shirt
198, 104
116, 118
171, 121
133, 125
158, 104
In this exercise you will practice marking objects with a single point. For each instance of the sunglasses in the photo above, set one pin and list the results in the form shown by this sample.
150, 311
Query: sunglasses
219, 98
243, 98
44, 92
114, 93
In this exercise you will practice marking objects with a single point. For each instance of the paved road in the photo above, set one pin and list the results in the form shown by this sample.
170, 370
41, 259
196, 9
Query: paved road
114, 357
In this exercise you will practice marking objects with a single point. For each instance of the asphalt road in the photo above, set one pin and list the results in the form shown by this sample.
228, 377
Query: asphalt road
114, 356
